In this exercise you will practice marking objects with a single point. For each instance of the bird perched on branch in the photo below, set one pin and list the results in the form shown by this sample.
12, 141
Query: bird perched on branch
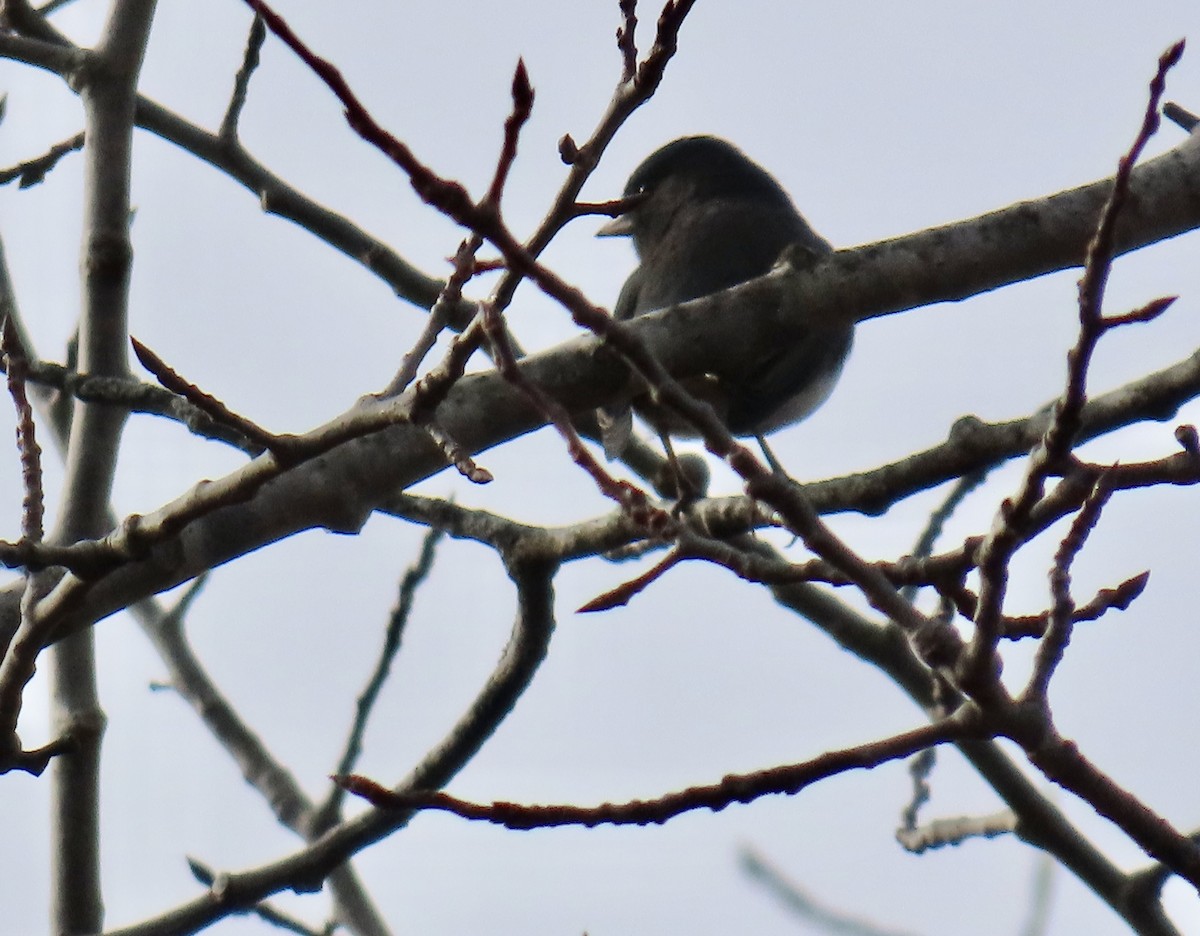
705, 218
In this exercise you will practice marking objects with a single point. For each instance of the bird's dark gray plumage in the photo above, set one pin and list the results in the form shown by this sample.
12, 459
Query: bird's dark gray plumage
708, 219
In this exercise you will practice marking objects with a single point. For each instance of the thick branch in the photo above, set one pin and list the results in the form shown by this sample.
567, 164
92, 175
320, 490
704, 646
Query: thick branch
339, 490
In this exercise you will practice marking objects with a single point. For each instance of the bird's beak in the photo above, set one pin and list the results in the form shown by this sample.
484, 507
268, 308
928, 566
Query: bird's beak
620, 226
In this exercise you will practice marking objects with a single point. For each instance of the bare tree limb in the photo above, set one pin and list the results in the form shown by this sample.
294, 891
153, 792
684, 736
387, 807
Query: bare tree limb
734, 788
108, 91
304, 871
412, 579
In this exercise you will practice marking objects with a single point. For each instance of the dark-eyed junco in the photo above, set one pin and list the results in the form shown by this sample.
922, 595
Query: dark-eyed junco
708, 219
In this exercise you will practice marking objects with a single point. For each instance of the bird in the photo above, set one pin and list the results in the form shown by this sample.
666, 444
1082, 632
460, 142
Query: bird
703, 217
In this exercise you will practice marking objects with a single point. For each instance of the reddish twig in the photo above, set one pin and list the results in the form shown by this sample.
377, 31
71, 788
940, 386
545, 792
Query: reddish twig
136, 396
628, 496
788, 780
423, 410
208, 404
1062, 612
30, 453
443, 194
1117, 598
1112, 599
1061, 761
650, 72
458, 456
1008, 528
626, 591
1147, 313
18, 659
955, 831
465, 266
483, 218
20, 654
610, 209
490, 265
626, 42
522, 97
452, 198
1189, 440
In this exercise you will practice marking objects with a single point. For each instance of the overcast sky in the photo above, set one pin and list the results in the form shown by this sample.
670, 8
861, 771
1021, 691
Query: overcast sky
879, 118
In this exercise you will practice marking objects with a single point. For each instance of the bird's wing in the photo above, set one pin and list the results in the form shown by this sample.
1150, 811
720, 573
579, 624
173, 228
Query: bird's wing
791, 383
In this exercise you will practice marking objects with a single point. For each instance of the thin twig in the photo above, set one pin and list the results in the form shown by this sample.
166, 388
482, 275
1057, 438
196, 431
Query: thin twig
452, 199
241, 82
522, 98
412, 580
210, 405
788, 780
806, 907
439, 315
17, 368
137, 397
1008, 527
1062, 612
936, 524
624, 593
626, 39
919, 768
32, 171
